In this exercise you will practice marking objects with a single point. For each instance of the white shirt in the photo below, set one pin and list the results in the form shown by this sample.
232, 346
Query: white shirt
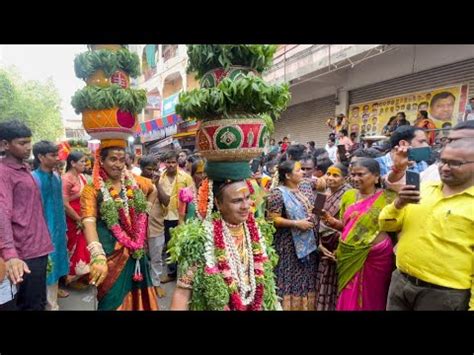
430, 174
332, 152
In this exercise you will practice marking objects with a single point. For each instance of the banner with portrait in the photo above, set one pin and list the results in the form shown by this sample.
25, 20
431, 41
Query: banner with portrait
445, 107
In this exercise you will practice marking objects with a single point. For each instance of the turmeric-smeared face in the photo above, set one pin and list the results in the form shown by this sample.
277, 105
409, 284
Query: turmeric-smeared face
334, 178
234, 202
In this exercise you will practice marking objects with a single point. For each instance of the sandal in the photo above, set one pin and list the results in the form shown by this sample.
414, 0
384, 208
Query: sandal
62, 293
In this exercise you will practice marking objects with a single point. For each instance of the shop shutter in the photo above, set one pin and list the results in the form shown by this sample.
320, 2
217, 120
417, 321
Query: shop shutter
306, 121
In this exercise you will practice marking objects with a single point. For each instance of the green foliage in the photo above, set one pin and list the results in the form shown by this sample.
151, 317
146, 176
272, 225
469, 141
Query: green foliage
139, 201
249, 94
210, 292
203, 58
268, 231
186, 246
109, 213
270, 298
85, 64
97, 98
35, 103
269, 124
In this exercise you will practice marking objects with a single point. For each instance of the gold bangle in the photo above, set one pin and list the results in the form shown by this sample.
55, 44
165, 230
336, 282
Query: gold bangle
100, 261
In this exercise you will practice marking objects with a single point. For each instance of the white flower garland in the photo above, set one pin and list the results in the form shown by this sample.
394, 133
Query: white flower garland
237, 267
209, 246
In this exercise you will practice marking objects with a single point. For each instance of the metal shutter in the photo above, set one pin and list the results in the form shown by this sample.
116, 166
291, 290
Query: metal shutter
306, 121
456, 73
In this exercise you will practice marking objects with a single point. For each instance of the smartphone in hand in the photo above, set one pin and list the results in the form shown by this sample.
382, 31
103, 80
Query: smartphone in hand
319, 203
413, 178
419, 154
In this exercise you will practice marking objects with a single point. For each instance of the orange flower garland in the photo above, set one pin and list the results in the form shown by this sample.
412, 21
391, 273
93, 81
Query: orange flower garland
202, 198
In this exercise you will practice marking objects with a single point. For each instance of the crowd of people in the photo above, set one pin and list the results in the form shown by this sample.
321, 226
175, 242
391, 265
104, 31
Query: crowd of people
378, 242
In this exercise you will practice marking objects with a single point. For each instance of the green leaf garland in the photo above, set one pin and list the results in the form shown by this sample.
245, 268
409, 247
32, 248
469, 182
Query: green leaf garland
85, 64
97, 98
248, 94
203, 58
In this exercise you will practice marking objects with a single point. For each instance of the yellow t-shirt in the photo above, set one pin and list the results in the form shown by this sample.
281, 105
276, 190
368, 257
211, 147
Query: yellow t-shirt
436, 237
172, 188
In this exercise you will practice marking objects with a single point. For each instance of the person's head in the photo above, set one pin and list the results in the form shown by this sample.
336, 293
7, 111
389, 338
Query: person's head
311, 145
336, 176
148, 166
401, 116
410, 136
197, 171
366, 108
15, 139
353, 136
446, 128
46, 155
456, 166
322, 165
295, 151
355, 112
76, 160
343, 133
89, 165
171, 162
442, 106
392, 121
280, 143
364, 153
289, 172
339, 119
285, 140
365, 174
423, 106
332, 135
307, 166
129, 159
270, 167
471, 101
321, 153
422, 115
272, 141
112, 160
331, 142
182, 157
462, 130
232, 199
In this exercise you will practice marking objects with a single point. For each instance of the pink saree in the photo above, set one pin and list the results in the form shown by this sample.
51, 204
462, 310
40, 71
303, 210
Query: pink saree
370, 264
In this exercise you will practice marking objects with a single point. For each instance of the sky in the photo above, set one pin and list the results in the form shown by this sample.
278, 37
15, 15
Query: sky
38, 62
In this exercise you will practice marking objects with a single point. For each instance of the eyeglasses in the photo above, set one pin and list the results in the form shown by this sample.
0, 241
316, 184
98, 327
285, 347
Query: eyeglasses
454, 163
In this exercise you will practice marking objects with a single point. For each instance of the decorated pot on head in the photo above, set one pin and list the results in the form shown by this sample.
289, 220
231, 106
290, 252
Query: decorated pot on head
213, 77
237, 140
108, 105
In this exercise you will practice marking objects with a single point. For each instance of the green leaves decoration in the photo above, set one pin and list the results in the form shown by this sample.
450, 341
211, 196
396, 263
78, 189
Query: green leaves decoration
97, 98
203, 58
85, 64
249, 94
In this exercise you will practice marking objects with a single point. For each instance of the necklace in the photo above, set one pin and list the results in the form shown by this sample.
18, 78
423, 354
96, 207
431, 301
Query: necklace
240, 272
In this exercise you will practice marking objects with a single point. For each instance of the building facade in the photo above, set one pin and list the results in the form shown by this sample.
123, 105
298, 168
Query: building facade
326, 80
163, 77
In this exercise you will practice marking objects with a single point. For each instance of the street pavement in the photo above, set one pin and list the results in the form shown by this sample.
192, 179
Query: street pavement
85, 300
